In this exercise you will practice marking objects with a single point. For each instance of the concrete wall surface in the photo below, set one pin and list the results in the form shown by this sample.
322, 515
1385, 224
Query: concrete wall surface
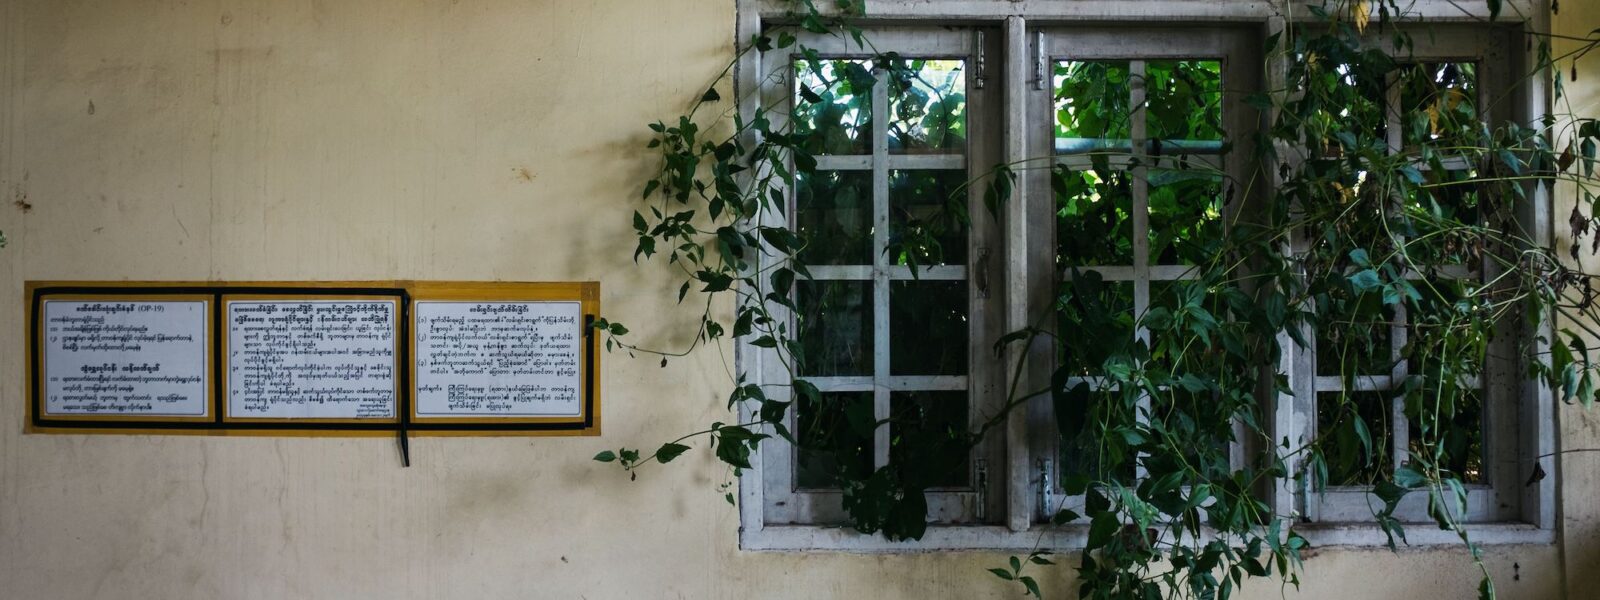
441, 139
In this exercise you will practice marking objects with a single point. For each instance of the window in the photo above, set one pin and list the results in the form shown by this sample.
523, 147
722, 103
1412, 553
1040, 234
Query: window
1455, 70
1142, 136
897, 332
1134, 148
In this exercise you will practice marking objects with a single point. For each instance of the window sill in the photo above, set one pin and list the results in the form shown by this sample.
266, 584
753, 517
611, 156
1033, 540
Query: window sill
957, 538
943, 538
1367, 535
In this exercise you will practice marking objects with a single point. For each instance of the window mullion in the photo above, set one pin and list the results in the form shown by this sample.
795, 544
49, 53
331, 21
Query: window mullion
1139, 175
880, 267
1400, 429
1019, 500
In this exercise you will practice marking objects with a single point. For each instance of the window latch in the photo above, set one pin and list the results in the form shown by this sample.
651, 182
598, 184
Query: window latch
981, 68
1044, 490
982, 509
1038, 60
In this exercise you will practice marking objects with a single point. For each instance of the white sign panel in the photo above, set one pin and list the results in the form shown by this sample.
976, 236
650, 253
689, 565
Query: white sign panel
125, 358
499, 359
311, 359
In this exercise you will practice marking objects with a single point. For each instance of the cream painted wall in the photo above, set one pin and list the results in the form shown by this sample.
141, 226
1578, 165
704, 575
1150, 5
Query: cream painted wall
428, 139
1580, 429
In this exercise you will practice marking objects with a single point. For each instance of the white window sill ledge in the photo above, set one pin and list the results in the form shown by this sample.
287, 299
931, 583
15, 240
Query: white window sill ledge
1367, 535
950, 538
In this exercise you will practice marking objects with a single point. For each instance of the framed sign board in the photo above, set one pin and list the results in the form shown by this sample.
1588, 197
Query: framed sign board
313, 358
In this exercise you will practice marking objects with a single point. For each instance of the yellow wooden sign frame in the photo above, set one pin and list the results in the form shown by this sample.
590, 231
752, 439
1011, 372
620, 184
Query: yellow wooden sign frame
405, 294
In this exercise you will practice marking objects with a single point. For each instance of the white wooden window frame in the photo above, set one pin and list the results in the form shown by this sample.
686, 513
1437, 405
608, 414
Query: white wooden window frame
1236, 48
786, 502
1496, 498
1009, 69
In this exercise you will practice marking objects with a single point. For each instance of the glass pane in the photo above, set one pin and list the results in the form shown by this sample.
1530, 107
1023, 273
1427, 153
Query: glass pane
928, 327
833, 106
1184, 117
1186, 226
1458, 438
1353, 335
835, 438
1444, 349
1093, 217
1195, 421
1443, 334
1354, 95
1092, 107
1184, 352
1184, 100
927, 107
1439, 106
1094, 323
835, 327
927, 218
1346, 421
833, 215
933, 423
1443, 219
1084, 415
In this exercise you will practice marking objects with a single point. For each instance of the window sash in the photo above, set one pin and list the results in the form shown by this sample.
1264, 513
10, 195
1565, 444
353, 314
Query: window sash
1497, 497
784, 501
1238, 51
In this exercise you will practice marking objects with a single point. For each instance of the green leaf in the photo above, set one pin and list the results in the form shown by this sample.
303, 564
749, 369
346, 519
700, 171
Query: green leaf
1409, 477
605, 457
1389, 492
744, 324
1101, 530
1033, 586
1412, 174
782, 281
1588, 150
1002, 573
1360, 426
670, 451
711, 95
807, 390
1494, 9
1364, 280
1510, 159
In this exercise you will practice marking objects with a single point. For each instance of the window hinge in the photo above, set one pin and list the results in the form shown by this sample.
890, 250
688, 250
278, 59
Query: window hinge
1038, 60
1044, 490
981, 69
982, 510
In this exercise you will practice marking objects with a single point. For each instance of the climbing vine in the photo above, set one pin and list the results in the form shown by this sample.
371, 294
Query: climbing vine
1377, 226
